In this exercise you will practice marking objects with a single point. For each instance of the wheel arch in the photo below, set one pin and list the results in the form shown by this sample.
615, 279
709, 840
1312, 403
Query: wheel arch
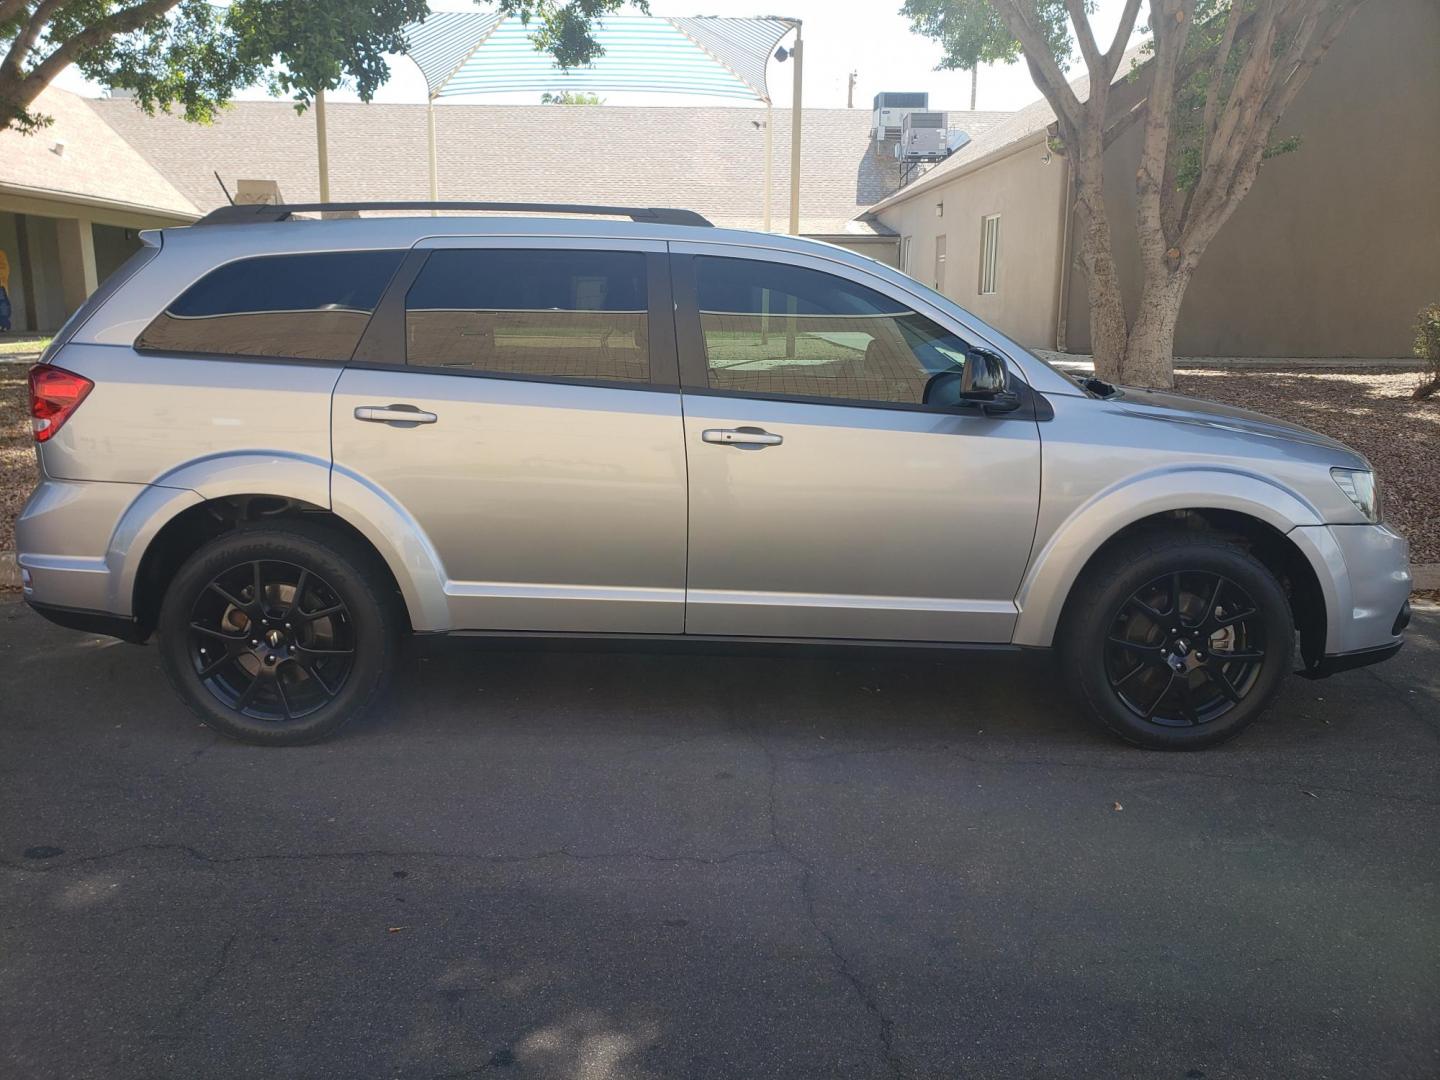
159, 533
1256, 513
199, 523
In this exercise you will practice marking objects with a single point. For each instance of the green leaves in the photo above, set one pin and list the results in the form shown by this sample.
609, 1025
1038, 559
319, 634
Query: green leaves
564, 29
973, 33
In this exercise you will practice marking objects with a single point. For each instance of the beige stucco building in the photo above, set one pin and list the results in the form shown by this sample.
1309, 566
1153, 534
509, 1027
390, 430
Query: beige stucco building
72, 199
1331, 254
73, 195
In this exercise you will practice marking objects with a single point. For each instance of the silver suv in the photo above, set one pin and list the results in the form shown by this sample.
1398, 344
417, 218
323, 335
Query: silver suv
281, 443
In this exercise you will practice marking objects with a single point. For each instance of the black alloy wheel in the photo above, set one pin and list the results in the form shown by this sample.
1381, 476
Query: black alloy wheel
1185, 649
278, 634
1176, 639
271, 640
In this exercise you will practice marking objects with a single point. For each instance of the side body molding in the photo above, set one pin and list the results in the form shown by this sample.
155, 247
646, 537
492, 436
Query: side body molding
1062, 551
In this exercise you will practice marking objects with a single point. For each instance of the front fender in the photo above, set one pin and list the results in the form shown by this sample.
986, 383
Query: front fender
1062, 555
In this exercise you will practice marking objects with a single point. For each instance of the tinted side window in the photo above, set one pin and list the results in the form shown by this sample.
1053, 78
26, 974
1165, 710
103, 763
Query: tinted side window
311, 306
776, 329
563, 314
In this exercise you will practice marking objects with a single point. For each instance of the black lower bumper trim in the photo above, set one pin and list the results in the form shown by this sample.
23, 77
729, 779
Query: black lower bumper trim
1330, 665
92, 622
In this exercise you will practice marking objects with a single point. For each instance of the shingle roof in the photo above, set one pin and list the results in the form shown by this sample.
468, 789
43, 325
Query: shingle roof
1015, 128
96, 166
705, 158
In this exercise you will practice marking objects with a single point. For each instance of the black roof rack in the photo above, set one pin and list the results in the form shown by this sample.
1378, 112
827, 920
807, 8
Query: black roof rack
254, 213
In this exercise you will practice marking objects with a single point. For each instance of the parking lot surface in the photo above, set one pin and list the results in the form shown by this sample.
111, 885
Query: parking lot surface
603, 866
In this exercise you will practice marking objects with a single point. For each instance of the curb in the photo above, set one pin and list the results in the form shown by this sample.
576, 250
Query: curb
1426, 575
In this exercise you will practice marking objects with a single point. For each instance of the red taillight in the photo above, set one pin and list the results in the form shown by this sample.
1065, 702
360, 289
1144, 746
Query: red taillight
54, 394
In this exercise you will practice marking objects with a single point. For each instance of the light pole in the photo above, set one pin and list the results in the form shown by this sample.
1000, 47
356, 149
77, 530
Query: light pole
795, 120
795, 52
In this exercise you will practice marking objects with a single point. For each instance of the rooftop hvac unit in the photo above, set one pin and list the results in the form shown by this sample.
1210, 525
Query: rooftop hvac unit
923, 137
891, 109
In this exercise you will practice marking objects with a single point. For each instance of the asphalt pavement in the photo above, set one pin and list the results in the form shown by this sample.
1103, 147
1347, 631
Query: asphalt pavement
601, 866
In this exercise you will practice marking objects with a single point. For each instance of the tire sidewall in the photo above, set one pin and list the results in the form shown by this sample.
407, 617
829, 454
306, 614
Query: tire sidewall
340, 569
1084, 639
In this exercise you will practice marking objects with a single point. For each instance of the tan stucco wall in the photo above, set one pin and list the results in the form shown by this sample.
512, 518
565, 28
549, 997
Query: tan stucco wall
1028, 196
885, 249
1338, 244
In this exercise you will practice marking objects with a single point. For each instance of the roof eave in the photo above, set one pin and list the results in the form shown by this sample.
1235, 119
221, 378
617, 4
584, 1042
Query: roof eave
933, 180
77, 198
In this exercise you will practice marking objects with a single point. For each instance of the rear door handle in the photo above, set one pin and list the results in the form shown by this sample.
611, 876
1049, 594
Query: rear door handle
399, 415
743, 436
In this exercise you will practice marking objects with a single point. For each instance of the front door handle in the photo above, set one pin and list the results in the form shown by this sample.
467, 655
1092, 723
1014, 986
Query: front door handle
399, 415
742, 436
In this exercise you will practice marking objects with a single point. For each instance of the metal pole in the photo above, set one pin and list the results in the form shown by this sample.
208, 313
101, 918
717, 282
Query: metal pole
434, 168
769, 159
322, 150
798, 55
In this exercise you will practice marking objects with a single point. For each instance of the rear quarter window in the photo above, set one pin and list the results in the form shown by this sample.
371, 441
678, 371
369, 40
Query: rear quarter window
312, 306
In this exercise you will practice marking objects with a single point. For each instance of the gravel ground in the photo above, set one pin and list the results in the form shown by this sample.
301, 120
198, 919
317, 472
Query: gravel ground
17, 452
1370, 411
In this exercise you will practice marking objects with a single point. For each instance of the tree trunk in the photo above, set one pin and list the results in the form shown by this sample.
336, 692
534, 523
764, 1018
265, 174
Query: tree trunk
1150, 352
1109, 331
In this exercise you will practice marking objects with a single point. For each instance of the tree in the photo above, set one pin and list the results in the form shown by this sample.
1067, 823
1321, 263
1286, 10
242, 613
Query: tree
571, 97
191, 54
972, 34
1218, 77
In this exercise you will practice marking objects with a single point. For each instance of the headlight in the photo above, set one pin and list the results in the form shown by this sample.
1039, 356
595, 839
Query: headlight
1359, 487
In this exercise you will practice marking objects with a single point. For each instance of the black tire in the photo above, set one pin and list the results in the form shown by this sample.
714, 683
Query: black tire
314, 653
1120, 642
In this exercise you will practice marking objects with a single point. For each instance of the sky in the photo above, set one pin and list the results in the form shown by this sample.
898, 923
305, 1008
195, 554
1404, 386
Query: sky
866, 36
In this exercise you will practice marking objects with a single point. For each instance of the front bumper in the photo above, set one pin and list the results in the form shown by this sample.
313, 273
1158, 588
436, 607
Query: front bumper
1364, 574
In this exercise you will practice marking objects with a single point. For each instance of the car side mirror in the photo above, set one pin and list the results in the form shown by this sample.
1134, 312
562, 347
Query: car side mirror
984, 381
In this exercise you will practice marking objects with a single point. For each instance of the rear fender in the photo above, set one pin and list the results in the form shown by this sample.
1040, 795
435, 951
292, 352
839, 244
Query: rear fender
395, 536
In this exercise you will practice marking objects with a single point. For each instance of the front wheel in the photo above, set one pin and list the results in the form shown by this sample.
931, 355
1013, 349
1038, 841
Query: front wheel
274, 636
1177, 641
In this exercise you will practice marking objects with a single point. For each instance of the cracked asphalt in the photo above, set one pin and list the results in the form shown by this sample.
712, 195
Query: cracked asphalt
602, 866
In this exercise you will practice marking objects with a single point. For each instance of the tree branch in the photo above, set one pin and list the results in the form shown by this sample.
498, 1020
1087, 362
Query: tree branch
10, 8
1217, 77
1045, 72
1122, 37
121, 22
1086, 36
1153, 187
1283, 93
25, 40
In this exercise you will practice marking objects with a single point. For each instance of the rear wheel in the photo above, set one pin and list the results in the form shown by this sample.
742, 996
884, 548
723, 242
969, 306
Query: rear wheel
1177, 641
274, 636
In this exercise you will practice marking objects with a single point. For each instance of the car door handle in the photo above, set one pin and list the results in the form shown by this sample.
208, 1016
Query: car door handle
401, 415
744, 436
